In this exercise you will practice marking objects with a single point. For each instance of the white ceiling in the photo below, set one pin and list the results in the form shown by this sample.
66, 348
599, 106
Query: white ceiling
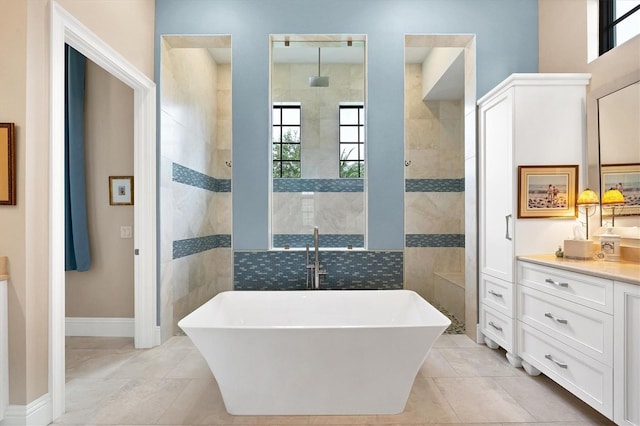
222, 55
416, 55
450, 86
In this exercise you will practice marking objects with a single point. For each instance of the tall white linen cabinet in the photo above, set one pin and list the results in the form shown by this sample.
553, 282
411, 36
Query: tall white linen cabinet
527, 120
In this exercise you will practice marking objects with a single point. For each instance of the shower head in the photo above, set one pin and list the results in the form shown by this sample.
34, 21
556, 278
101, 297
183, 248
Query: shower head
318, 80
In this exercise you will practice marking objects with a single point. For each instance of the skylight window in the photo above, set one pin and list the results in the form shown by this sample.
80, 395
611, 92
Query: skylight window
619, 22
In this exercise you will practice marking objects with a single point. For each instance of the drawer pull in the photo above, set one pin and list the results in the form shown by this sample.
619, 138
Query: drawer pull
558, 363
550, 281
558, 320
495, 294
497, 327
506, 235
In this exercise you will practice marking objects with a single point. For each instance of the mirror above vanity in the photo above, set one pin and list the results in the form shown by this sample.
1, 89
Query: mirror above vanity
618, 114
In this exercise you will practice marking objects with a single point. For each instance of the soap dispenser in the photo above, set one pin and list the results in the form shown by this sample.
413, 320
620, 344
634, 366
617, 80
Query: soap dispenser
610, 246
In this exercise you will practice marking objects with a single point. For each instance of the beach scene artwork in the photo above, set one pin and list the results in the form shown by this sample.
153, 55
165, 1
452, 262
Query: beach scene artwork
626, 179
547, 191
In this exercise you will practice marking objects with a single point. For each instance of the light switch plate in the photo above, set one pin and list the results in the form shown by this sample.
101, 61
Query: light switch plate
125, 232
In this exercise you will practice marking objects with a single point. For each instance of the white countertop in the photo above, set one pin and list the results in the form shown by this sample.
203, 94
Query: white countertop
628, 272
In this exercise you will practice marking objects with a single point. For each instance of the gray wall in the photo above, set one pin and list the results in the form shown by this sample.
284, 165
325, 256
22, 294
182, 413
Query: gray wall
507, 42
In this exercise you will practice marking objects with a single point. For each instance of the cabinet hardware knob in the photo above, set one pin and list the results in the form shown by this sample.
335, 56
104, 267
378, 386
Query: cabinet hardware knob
550, 281
558, 363
497, 327
494, 293
558, 320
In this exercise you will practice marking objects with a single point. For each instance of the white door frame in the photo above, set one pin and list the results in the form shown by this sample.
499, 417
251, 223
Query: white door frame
67, 29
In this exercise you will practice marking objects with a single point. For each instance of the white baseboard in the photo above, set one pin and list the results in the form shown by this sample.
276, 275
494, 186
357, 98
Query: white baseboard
479, 335
157, 337
37, 413
100, 327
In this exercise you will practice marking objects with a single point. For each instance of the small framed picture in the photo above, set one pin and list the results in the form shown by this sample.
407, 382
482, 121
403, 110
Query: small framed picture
547, 192
120, 190
7, 164
626, 179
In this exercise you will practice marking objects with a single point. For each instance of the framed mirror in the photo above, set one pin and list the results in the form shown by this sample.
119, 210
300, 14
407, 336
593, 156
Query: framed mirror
619, 153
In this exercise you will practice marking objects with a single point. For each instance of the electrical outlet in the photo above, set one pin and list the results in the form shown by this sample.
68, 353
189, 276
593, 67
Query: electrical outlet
125, 232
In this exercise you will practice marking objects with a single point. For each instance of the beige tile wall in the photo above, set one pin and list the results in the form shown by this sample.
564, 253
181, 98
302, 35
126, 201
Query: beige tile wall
434, 144
196, 133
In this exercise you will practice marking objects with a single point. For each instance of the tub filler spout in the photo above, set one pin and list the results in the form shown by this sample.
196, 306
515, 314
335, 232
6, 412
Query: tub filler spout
317, 271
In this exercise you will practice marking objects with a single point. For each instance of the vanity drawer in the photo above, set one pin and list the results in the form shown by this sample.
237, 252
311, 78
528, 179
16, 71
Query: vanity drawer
585, 377
596, 293
498, 327
584, 329
497, 294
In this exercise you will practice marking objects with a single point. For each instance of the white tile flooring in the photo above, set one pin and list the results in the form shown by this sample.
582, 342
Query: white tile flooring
111, 383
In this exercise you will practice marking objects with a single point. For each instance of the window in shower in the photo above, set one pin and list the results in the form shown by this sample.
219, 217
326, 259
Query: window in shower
351, 141
286, 140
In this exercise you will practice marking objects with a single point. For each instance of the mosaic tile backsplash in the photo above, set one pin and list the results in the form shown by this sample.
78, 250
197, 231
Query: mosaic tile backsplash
318, 185
346, 270
182, 248
434, 185
191, 177
434, 240
325, 240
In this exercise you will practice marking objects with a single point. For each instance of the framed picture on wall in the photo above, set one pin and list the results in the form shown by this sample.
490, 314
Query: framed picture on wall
7, 164
547, 192
120, 190
626, 179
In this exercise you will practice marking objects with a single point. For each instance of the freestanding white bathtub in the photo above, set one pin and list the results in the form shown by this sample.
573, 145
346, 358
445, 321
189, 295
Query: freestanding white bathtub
315, 352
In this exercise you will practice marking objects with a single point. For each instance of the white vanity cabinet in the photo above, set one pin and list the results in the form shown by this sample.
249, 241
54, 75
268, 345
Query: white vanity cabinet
626, 341
579, 324
528, 119
565, 330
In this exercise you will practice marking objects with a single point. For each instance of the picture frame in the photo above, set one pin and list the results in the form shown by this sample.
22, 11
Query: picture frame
626, 179
7, 164
121, 190
547, 192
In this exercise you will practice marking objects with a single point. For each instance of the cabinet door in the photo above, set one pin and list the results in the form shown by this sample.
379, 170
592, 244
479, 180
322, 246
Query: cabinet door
627, 353
496, 187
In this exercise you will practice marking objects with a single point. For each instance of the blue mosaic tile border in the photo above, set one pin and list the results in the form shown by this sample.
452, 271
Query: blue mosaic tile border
189, 246
434, 240
325, 240
318, 185
434, 185
346, 270
191, 177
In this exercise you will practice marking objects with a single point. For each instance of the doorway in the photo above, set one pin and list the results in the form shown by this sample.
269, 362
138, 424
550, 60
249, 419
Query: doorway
99, 301
65, 29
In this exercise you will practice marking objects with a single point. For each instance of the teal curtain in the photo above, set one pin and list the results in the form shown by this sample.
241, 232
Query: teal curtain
77, 255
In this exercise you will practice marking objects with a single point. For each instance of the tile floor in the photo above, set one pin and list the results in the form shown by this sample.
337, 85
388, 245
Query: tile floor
111, 383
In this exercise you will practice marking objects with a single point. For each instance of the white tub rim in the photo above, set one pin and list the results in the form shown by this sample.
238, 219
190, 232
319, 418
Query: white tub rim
444, 321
